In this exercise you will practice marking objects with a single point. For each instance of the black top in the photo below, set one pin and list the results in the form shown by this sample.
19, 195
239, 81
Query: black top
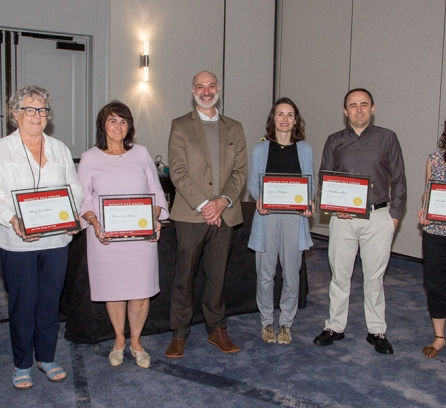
283, 160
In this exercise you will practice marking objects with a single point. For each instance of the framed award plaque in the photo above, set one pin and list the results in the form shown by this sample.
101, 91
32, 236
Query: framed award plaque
435, 205
128, 217
341, 192
46, 211
285, 193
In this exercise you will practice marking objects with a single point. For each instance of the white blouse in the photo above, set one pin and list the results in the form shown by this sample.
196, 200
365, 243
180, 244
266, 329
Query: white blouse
15, 174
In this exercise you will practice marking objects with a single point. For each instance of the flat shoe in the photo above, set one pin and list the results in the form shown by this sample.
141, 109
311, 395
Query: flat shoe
142, 358
432, 352
220, 339
21, 376
51, 370
116, 357
176, 348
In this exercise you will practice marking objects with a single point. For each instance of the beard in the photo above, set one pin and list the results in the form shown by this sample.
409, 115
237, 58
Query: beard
206, 105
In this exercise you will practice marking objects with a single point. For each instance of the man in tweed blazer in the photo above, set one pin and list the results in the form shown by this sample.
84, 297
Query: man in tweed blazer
208, 167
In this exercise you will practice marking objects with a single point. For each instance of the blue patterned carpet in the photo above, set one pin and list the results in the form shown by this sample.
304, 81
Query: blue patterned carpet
347, 374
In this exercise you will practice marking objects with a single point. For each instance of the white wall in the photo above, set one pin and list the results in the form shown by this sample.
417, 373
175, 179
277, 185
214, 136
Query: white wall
394, 49
185, 38
314, 61
249, 67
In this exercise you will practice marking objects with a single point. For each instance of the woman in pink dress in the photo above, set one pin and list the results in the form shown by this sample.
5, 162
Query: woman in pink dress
123, 274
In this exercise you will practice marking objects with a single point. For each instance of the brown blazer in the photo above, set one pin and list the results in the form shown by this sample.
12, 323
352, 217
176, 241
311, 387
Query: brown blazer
190, 167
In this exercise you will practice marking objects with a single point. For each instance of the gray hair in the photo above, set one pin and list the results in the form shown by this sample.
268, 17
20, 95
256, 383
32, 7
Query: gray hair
25, 91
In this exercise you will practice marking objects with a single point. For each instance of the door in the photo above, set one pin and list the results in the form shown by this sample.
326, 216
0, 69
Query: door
59, 64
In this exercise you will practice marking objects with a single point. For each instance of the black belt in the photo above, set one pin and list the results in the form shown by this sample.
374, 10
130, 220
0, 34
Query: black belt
375, 207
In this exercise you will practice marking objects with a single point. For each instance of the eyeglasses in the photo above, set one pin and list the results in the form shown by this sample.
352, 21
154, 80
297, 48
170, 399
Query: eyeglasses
29, 111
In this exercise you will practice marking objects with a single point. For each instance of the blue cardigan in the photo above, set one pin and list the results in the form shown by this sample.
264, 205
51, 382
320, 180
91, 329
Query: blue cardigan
257, 239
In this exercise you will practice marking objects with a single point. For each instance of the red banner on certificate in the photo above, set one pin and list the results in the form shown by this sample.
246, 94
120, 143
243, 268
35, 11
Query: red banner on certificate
285, 192
46, 211
128, 217
436, 204
347, 193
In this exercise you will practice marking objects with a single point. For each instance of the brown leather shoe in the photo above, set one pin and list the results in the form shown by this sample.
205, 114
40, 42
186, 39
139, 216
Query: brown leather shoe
220, 338
176, 348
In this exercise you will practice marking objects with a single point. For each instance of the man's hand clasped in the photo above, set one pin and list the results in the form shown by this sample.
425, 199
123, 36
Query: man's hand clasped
212, 211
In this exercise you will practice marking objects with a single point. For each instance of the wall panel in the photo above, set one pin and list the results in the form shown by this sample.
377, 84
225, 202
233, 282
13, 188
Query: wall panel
397, 54
249, 65
314, 60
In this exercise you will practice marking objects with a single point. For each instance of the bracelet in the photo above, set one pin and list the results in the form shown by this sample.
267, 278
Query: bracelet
88, 219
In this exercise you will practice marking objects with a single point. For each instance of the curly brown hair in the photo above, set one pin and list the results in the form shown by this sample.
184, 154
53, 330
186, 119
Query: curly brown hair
298, 132
442, 140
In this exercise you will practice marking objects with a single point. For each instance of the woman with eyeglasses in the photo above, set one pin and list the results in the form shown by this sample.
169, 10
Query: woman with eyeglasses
33, 266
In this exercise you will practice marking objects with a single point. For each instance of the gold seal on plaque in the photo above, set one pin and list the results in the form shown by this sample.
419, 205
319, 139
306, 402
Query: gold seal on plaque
298, 199
143, 223
63, 215
357, 201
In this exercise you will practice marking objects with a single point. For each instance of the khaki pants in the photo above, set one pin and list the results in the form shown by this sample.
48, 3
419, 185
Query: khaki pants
374, 238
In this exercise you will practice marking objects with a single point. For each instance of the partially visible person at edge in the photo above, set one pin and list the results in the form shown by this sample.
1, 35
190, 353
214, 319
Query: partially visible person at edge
124, 275
34, 267
283, 236
208, 167
368, 150
434, 253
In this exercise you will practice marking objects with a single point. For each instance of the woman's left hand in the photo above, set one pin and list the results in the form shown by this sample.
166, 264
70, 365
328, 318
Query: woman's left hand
423, 220
260, 209
158, 232
309, 213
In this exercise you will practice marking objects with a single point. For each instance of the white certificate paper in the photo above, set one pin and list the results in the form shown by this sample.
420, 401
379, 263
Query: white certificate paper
437, 202
345, 193
279, 193
128, 217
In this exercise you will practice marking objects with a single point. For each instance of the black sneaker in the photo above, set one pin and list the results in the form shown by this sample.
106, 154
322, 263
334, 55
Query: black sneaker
380, 342
327, 337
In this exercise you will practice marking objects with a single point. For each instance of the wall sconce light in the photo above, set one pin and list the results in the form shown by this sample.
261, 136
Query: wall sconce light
144, 61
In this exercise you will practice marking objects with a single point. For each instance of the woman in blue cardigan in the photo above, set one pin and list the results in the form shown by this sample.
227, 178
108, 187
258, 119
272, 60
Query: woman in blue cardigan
276, 235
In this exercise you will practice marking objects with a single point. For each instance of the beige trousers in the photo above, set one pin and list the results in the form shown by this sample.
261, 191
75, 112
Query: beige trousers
374, 239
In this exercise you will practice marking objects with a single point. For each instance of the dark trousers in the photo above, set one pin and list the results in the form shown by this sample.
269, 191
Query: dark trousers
194, 240
434, 251
34, 282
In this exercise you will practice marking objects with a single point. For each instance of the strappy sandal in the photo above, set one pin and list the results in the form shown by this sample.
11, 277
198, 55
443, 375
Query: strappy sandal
432, 352
51, 370
21, 376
